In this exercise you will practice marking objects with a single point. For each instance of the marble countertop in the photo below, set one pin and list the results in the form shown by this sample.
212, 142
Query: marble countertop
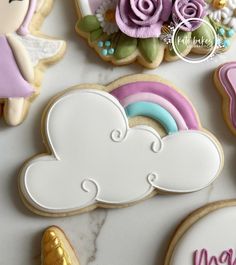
137, 235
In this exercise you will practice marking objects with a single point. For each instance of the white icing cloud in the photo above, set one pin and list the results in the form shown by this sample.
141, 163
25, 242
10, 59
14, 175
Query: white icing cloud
97, 158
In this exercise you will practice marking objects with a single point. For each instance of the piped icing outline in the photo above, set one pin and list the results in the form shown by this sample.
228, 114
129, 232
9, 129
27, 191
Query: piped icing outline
151, 54
228, 91
153, 111
206, 217
165, 93
28, 51
119, 136
153, 98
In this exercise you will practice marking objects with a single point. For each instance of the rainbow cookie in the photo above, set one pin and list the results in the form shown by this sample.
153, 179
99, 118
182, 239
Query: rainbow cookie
205, 237
56, 248
160, 102
25, 52
144, 31
128, 141
225, 80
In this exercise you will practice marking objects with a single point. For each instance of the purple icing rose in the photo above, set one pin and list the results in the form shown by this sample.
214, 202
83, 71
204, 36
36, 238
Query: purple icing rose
142, 18
184, 10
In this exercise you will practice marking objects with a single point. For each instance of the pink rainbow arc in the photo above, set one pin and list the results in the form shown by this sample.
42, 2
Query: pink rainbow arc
165, 96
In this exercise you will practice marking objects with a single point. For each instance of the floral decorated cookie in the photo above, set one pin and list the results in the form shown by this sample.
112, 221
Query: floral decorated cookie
24, 54
124, 31
56, 248
224, 11
131, 140
205, 237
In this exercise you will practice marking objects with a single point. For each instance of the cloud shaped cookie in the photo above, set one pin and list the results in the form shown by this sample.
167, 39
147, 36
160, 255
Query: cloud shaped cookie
97, 160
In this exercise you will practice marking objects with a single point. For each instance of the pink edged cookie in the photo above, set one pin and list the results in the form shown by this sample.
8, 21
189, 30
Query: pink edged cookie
113, 146
225, 80
206, 237
152, 31
25, 53
56, 248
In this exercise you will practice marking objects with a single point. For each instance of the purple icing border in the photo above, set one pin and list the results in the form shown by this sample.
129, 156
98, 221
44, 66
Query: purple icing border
163, 90
229, 88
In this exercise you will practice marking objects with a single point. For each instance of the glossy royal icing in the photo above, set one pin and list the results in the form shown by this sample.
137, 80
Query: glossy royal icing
206, 237
134, 162
22, 52
151, 31
164, 103
226, 82
153, 111
159, 93
12, 85
56, 248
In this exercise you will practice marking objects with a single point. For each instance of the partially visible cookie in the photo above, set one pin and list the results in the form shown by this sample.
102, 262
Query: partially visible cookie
56, 248
206, 237
101, 151
225, 81
25, 53
149, 32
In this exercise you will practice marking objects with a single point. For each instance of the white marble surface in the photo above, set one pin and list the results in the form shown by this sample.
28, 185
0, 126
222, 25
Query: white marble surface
138, 235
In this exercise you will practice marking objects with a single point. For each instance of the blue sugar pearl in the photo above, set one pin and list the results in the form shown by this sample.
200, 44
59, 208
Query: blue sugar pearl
111, 51
107, 43
230, 33
104, 52
226, 43
221, 31
100, 44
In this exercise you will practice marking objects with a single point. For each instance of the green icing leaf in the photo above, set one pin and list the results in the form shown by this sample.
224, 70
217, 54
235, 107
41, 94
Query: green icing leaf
149, 48
96, 34
88, 24
125, 47
182, 42
204, 37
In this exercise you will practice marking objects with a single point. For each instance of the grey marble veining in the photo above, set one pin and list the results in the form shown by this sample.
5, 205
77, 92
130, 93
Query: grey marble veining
137, 235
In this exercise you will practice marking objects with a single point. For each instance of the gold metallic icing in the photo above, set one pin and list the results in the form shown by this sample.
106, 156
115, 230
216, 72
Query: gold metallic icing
219, 4
53, 250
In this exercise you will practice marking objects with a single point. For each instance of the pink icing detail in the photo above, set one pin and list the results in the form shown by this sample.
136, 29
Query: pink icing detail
227, 78
23, 30
180, 102
12, 83
148, 97
202, 258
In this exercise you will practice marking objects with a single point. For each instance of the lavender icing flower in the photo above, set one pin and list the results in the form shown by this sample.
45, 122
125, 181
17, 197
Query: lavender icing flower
142, 18
184, 10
